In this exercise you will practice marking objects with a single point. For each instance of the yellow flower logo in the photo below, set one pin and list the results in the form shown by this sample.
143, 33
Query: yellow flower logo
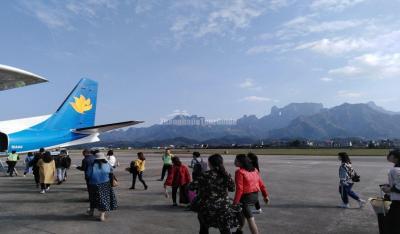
81, 104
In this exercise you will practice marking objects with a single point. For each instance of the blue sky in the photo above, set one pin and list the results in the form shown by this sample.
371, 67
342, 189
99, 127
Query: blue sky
218, 59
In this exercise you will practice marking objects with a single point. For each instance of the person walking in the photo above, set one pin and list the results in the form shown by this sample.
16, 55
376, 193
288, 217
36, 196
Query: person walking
346, 177
391, 222
112, 160
213, 205
137, 168
47, 171
179, 179
87, 162
61, 166
254, 160
167, 163
248, 184
12, 160
35, 167
101, 194
198, 165
28, 167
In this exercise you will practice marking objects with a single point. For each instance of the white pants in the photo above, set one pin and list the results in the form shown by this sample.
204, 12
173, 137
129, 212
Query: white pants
60, 174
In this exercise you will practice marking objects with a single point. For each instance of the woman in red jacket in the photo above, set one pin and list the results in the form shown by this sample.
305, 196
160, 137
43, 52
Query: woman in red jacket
248, 184
178, 177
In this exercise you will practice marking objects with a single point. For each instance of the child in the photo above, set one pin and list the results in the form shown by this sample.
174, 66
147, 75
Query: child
137, 168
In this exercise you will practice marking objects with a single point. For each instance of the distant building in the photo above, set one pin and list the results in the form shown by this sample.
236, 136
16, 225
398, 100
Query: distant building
194, 120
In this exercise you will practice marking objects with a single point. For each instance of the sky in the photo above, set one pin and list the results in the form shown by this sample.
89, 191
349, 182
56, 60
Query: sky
214, 58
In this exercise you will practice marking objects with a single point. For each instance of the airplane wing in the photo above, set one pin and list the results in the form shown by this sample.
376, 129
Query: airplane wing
105, 128
11, 77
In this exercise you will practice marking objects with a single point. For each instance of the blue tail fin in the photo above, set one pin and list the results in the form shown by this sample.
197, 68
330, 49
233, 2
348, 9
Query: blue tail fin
78, 110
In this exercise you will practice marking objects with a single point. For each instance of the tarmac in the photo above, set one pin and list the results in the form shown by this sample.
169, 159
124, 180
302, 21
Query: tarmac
303, 190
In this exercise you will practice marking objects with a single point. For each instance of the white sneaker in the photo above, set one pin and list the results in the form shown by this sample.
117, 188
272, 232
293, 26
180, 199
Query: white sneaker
259, 211
344, 206
361, 203
42, 191
47, 189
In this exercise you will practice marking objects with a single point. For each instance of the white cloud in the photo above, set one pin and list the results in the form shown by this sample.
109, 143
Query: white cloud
200, 18
334, 5
326, 79
250, 84
62, 14
256, 99
178, 112
349, 94
336, 46
371, 65
346, 71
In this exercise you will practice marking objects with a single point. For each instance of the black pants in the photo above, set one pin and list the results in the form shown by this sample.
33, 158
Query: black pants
140, 177
183, 194
11, 166
165, 168
44, 186
36, 175
391, 222
204, 227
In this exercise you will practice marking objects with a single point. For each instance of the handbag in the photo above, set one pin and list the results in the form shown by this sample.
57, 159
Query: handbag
356, 177
114, 181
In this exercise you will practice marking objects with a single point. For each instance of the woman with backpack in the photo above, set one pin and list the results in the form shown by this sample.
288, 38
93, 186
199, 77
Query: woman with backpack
178, 178
347, 177
137, 168
213, 205
248, 185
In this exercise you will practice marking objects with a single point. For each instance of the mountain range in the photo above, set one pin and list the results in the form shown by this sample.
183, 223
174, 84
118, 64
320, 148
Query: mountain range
296, 120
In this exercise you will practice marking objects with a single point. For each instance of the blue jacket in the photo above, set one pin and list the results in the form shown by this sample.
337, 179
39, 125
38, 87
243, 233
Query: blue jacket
99, 175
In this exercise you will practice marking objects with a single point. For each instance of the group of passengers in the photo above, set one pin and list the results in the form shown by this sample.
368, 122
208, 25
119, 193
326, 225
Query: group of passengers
45, 167
205, 190
208, 192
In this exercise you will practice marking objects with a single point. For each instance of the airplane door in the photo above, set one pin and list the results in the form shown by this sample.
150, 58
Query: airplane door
3, 142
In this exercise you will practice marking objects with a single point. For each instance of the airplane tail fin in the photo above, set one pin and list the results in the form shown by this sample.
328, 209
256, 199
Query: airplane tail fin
78, 110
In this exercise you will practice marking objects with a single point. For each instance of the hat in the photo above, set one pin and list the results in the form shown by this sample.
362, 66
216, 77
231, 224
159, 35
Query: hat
100, 156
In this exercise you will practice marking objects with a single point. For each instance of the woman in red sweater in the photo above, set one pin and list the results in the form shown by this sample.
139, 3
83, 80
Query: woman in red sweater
178, 177
248, 184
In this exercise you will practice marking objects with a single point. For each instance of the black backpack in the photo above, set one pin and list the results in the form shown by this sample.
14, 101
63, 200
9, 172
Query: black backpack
200, 167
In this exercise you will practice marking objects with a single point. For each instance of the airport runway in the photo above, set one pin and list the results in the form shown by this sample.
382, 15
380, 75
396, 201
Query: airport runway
304, 196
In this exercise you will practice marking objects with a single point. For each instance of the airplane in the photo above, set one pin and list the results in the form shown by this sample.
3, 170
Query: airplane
73, 123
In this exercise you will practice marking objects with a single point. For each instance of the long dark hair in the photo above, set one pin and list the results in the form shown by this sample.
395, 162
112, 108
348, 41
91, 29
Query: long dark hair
217, 163
47, 157
254, 160
176, 161
244, 162
344, 157
141, 156
396, 154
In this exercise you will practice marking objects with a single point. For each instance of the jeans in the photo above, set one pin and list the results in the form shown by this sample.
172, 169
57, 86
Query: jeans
164, 170
60, 174
140, 176
346, 191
